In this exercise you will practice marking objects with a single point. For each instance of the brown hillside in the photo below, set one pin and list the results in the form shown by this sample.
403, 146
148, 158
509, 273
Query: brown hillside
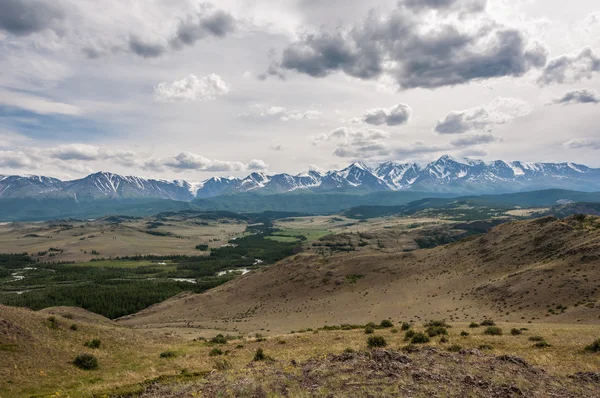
518, 271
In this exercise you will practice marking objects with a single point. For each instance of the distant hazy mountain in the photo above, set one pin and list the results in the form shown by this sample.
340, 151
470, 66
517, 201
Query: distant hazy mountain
447, 175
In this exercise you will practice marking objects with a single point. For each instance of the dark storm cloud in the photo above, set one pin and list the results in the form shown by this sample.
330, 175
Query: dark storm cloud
581, 96
23, 17
571, 68
432, 58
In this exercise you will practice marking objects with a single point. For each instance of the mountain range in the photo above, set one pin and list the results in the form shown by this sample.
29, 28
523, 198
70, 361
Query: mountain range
447, 175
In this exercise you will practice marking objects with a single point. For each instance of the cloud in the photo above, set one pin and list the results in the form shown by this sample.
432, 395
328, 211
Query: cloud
474, 139
259, 111
581, 143
36, 104
570, 68
192, 161
464, 6
257, 164
191, 88
216, 23
415, 54
581, 96
137, 46
418, 148
24, 17
483, 118
356, 143
75, 152
16, 160
394, 116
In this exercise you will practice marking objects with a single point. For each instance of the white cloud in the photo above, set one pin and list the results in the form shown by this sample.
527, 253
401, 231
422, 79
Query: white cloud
583, 143
259, 111
191, 88
367, 143
192, 161
483, 118
16, 160
36, 104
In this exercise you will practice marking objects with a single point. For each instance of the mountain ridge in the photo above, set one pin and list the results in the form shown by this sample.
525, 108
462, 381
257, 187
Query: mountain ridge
449, 175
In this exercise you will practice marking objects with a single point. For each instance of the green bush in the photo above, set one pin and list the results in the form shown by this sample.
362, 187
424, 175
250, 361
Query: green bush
437, 324
473, 325
86, 362
433, 331
73, 327
222, 364
394, 330
219, 339
493, 331
541, 344
419, 338
349, 350
488, 322
594, 347
536, 338
454, 348
376, 341
93, 343
168, 354
215, 352
409, 335
386, 323
515, 332
259, 355
405, 326
369, 329
53, 322
464, 334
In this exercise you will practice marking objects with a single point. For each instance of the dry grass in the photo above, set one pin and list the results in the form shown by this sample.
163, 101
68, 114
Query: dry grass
39, 362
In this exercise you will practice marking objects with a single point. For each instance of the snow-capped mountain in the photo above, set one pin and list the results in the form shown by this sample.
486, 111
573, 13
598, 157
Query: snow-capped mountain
447, 174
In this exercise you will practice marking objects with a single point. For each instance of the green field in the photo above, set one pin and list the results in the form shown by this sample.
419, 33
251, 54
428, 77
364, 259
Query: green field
310, 234
281, 238
127, 264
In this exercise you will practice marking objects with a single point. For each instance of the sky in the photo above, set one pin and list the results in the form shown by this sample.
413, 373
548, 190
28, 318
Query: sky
185, 89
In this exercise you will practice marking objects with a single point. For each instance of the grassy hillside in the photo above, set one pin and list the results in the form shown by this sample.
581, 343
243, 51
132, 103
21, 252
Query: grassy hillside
542, 270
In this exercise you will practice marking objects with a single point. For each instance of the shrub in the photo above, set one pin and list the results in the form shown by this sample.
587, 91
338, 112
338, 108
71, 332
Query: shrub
405, 326
394, 330
53, 322
488, 322
369, 329
86, 362
515, 332
594, 347
440, 324
454, 348
419, 338
493, 331
349, 350
93, 343
73, 326
219, 339
215, 352
541, 344
222, 364
536, 338
433, 331
486, 347
376, 341
239, 346
259, 355
464, 334
473, 325
443, 340
168, 354
386, 323
409, 335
